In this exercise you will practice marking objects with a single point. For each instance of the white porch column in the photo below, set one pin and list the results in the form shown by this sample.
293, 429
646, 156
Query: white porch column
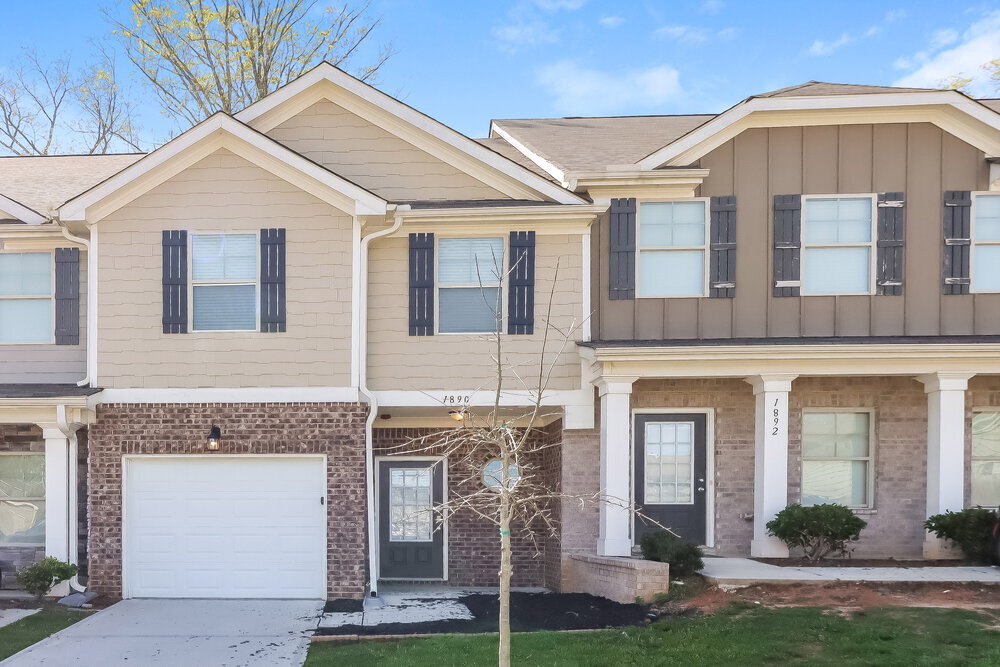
770, 486
614, 536
945, 449
56, 497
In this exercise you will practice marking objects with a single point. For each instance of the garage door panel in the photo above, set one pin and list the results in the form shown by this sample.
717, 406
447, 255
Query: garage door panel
236, 527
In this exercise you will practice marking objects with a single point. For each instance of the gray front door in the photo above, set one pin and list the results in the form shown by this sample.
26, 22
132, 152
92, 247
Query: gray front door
411, 542
670, 486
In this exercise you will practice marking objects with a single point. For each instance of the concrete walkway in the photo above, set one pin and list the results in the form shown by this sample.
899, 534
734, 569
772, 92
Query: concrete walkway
744, 572
8, 616
232, 633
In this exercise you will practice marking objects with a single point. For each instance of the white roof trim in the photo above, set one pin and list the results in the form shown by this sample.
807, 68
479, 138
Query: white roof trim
682, 149
546, 165
365, 202
438, 130
23, 213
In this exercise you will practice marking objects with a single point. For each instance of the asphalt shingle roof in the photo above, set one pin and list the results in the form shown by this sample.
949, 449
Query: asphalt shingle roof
45, 183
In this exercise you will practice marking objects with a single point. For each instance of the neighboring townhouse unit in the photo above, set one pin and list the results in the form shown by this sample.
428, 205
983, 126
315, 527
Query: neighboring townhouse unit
213, 355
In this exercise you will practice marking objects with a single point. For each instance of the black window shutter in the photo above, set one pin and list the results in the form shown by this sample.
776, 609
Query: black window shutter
67, 296
521, 284
787, 244
175, 271
621, 280
957, 241
421, 284
722, 261
272, 280
890, 244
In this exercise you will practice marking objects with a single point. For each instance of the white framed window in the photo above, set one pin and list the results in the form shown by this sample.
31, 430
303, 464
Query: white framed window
469, 272
672, 243
224, 278
985, 261
986, 459
27, 303
837, 458
669, 466
22, 499
410, 505
838, 244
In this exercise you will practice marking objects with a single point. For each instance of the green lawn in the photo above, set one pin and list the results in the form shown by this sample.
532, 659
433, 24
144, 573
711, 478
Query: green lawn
740, 635
34, 628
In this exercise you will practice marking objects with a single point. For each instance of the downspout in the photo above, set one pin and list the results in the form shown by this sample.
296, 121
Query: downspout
362, 363
73, 538
90, 281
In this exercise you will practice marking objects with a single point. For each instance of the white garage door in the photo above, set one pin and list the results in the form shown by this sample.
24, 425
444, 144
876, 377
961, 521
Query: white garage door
217, 527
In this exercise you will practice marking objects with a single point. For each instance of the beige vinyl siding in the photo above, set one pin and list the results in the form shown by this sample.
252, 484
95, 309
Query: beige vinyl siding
225, 193
374, 158
49, 363
918, 159
462, 362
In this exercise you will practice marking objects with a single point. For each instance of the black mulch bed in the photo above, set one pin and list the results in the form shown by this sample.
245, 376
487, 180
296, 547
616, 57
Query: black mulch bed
528, 612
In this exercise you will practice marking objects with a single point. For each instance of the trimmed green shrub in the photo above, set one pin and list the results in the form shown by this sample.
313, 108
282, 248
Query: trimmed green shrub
819, 530
683, 557
39, 578
971, 529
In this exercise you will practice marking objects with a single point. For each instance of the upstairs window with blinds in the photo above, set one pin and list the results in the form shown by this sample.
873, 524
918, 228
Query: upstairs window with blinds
837, 241
837, 458
469, 273
224, 282
986, 243
672, 242
26, 298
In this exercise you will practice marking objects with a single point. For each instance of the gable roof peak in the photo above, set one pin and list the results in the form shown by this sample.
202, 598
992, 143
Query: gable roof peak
820, 88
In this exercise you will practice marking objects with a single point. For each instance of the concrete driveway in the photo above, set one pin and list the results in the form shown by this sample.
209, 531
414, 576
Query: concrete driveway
182, 632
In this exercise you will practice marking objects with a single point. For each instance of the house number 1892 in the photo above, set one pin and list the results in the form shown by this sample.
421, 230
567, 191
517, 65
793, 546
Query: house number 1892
775, 418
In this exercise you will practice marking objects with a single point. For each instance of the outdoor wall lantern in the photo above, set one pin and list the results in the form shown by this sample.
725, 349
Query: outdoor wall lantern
214, 439
457, 415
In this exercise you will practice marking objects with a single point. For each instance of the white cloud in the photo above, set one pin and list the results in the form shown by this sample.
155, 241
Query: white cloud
682, 33
527, 23
712, 6
556, 5
577, 89
943, 37
824, 48
728, 33
517, 35
611, 21
894, 15
963, 55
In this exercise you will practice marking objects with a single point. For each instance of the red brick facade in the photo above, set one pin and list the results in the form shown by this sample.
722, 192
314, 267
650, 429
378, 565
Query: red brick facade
333, 429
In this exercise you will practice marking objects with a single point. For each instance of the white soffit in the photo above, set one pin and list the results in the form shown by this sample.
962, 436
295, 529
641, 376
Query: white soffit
220, 131
952, 111
411, 125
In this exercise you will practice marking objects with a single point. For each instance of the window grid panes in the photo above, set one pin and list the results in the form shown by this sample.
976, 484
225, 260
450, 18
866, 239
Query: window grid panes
986, 459
22, 499
669, 464
224, 282
986, 244
672, 241
836, 458
837, 243
469, 272
410, 505
26, 298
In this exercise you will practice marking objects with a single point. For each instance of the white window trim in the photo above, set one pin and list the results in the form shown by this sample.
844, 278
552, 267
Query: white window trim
973, 243
51, 297
26, 499
505, 241
871, 458
694, 465
872, 245
704, 248
191, 283
972, 455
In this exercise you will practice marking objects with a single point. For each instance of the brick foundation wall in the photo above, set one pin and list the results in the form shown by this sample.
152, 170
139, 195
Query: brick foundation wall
15, 438
619, 579
473, 544
333, 429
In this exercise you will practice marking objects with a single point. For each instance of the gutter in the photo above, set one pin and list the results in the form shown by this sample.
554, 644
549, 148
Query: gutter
362, 365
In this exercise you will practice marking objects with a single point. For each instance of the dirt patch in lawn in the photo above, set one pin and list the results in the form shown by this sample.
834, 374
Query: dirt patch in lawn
861, 562
851, 595
529, 612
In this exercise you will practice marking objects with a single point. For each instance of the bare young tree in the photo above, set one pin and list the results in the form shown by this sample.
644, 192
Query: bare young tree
498, 457
46, 107
203, 56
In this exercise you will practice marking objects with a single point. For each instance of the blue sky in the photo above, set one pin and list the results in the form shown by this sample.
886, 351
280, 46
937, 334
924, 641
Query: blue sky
465, 62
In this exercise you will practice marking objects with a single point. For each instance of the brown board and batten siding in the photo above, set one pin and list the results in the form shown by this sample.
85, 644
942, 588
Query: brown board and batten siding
918, 160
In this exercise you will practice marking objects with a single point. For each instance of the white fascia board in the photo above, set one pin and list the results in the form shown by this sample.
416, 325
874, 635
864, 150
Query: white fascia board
438, 130
227, 395
366, 203
547, 166
478, 398
543, 220
663, 156
22, 212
